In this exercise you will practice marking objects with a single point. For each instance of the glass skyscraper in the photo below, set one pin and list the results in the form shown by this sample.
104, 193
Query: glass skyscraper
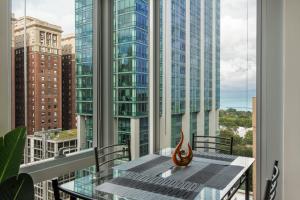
84, 71
131, 71
190, 68
195, 63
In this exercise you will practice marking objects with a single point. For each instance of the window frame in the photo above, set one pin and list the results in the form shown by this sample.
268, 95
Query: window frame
38, 169
5, 67
102, 73
154, 72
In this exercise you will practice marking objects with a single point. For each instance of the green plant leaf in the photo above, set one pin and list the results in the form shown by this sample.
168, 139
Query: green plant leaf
11, 152
17, 188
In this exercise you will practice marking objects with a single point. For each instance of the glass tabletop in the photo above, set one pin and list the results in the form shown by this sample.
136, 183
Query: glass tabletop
209, 176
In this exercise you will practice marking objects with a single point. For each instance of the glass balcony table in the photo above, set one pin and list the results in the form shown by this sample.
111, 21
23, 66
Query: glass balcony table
209, 176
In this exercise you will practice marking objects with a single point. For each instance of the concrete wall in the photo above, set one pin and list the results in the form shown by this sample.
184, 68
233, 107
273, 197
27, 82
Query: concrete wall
278, 133
270, 92
5, 66
291, 100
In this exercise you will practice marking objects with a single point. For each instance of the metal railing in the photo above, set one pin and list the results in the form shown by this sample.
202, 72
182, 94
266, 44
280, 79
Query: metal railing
53, 167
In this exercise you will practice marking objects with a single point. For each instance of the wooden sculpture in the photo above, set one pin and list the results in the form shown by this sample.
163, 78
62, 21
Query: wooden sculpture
178, 158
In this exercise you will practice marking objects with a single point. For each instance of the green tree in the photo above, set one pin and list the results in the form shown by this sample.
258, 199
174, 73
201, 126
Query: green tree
248, 139
232, 118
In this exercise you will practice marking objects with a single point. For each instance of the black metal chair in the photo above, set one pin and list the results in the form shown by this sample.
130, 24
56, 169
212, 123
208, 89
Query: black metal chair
57, 190
62, 193
270, 192
220, 144
106, 156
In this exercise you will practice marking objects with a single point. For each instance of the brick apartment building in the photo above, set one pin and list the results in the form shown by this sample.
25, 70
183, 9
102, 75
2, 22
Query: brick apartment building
68, 82
44, 92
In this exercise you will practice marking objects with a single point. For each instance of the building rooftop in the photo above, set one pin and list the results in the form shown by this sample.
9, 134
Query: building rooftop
56, 135
35, 22
68, 36
64, 135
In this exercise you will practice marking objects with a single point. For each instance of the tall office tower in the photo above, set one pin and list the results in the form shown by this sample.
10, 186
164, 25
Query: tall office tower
84, 71
130, 72
68, 82
47, 144
43, 100
190, 69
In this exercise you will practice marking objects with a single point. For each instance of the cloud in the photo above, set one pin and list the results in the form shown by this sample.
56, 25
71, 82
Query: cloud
234, 68
58, 12
238, 76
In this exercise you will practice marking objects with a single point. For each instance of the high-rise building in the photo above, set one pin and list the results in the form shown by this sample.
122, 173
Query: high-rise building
84, 71
130, 71
68, 82
190, 68
43, 100
47, 144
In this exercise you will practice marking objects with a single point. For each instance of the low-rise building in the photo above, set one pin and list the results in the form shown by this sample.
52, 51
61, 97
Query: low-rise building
48, 144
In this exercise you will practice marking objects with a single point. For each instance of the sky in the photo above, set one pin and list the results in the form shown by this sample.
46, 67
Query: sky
58, 12
238, 77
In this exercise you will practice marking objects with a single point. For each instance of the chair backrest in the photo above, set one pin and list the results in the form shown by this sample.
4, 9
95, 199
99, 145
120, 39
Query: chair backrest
270, 192
106, 156
220, 144
57, 191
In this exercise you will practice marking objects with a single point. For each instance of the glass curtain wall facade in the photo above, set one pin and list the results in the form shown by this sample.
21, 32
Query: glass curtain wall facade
189, 80
195, 63
218, 52
211, 60
130, 71
178, 25
189, 68
84, 71
208, 44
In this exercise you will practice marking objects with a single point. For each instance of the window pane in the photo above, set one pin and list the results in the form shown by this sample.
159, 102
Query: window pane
207, 74
237, 116
130, 72
56, 101
84, 71
207, 71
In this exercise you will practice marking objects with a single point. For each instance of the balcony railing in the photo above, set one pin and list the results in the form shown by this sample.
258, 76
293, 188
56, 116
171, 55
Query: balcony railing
54, 167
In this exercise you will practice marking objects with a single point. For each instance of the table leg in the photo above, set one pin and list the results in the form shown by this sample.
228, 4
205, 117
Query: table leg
247, 185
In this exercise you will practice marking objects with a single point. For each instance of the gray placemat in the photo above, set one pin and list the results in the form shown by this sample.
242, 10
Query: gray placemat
213, 156
129, 193
134, 163
203, 175
224, 177
216, 176
150, 164
164, 190
183, 173
137, 183
160, 168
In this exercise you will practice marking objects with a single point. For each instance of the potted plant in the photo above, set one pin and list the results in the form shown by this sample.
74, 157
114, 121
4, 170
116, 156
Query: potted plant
12, 184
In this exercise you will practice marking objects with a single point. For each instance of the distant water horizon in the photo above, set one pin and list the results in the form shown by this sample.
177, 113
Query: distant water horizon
237, 99
240, 104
